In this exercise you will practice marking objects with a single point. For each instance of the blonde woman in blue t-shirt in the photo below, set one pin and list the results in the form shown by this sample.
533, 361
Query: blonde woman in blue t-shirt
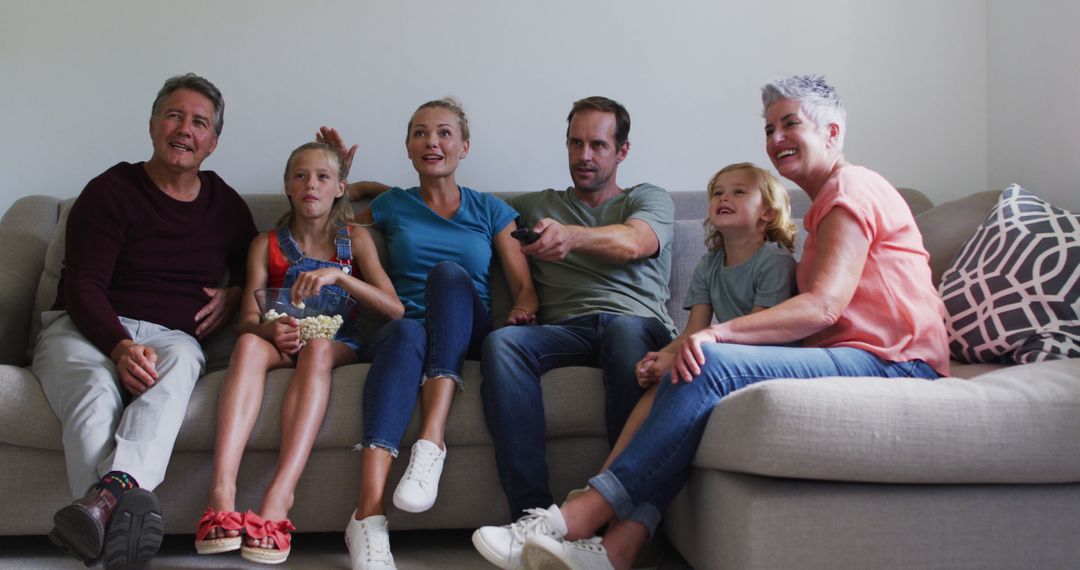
441, 238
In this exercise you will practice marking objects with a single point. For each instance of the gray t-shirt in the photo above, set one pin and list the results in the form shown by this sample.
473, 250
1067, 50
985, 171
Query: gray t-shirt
765, 279
582, 284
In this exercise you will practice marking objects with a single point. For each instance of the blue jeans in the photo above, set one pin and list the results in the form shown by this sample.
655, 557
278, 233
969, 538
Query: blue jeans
513, 360
649, 473
452, 309
397, 353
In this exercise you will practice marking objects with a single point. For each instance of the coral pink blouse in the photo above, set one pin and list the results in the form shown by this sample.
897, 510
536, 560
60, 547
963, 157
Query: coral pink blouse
896, 313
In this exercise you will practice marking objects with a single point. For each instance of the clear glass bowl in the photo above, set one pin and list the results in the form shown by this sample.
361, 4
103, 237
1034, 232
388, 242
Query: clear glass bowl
316, 313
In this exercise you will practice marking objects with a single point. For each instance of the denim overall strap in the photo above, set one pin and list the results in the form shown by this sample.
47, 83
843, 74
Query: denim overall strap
288, 246
344, 248
299, 263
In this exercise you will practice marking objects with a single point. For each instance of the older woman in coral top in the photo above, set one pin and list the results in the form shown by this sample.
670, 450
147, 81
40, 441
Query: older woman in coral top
866, 307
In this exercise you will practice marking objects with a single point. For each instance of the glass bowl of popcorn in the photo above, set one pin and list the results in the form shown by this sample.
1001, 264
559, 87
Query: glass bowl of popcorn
320, 315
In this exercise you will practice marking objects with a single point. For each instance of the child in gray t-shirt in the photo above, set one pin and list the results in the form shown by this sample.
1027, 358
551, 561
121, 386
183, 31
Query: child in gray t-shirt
749, 267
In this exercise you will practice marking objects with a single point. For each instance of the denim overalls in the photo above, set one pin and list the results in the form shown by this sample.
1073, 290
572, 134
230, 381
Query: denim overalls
349, 333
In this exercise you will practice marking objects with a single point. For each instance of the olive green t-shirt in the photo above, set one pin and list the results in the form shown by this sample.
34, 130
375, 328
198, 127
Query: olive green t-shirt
582, 284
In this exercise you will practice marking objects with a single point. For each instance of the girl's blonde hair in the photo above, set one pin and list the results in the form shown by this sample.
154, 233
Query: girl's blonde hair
341, 214
780, 228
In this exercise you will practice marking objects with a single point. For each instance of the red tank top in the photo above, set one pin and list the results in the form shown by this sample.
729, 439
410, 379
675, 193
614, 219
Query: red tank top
279, 265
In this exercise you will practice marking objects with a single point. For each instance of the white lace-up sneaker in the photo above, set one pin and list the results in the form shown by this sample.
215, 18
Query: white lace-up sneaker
418, 488
546, 553
368, 541
501, 545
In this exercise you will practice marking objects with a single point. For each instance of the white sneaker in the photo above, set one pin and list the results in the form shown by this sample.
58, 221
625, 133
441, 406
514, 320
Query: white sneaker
501, 545
419, 486
368, 541
546, 553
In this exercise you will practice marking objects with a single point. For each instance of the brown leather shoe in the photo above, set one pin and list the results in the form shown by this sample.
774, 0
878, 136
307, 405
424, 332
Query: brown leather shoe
80, 527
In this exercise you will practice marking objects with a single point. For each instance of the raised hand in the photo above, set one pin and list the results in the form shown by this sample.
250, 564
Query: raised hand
332, 137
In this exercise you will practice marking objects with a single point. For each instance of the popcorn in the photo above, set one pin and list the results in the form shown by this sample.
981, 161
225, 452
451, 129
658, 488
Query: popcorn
320, 326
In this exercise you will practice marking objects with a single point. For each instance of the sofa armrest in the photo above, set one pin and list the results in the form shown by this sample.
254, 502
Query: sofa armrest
22, 258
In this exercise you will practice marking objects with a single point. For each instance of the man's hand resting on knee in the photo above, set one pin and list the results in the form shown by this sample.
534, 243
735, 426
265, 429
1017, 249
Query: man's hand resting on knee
136, 364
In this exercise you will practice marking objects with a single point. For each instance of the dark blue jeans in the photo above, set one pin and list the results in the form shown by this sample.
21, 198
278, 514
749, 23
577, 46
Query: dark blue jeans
456, 322
512, 362
650, 471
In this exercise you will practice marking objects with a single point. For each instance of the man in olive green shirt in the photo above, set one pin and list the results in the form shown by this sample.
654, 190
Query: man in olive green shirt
601, 269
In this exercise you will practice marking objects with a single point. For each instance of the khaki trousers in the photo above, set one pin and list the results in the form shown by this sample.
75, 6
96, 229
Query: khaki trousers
100, 433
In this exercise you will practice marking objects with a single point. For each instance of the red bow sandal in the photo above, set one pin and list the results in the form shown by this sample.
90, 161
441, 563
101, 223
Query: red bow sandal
258, 528
226, 520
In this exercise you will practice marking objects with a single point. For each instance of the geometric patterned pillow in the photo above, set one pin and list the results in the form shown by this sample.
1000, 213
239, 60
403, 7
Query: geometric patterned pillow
1013, 292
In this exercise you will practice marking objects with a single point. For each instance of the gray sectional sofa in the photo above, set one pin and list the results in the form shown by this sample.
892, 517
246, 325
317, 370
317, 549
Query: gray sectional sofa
977, 471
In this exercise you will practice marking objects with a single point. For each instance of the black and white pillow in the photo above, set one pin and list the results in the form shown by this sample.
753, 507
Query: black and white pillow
1013, 292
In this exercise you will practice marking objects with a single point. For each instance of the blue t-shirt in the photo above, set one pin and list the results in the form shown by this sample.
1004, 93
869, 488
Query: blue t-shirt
417, 238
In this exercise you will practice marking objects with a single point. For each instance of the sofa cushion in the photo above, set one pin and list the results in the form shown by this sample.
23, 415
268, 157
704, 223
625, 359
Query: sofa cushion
1013, 292
1017, 424
50, 276
947, 226
26, 419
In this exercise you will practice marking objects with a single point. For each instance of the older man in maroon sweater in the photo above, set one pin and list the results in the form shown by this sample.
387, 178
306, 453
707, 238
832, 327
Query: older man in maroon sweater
147, 248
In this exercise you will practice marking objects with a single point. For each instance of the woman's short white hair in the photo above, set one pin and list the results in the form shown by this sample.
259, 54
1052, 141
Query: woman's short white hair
818, 100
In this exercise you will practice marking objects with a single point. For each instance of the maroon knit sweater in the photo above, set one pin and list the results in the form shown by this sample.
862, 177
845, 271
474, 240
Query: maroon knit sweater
131, 250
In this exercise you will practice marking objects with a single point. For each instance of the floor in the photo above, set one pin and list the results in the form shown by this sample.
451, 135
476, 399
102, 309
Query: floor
448, 549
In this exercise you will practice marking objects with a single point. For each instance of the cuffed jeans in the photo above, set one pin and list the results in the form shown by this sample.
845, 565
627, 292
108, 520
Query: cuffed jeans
100, 432
397, 353
514, 359
645, 477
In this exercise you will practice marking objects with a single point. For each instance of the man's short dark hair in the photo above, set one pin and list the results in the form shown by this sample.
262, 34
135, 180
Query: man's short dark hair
197, 84
604, 105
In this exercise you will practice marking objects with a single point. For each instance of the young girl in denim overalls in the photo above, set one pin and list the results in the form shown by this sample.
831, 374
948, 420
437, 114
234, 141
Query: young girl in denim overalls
311, 251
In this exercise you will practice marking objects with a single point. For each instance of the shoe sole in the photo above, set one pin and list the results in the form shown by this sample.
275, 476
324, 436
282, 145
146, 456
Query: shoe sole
135, 532
264, 555
77, 533
536, 557
218, 545
489, 553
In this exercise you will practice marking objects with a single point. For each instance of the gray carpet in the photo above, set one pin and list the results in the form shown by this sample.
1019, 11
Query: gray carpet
443, 550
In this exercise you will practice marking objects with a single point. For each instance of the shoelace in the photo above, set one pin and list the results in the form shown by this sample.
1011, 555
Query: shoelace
423, 462
522, 529
377, 546
592, 544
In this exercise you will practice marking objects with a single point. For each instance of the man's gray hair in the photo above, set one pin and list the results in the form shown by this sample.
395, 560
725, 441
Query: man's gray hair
818, 100
198, 84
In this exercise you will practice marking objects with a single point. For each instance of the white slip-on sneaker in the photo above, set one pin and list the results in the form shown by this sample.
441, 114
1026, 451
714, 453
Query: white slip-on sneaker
546, 553
501, 545
368, 541
418, 488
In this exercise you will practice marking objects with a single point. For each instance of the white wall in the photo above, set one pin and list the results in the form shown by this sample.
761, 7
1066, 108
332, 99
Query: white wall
79, 78
1034, 98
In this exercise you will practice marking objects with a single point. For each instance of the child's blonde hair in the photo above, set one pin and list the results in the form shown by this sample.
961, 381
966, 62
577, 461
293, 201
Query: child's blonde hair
780, 228
341, 214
